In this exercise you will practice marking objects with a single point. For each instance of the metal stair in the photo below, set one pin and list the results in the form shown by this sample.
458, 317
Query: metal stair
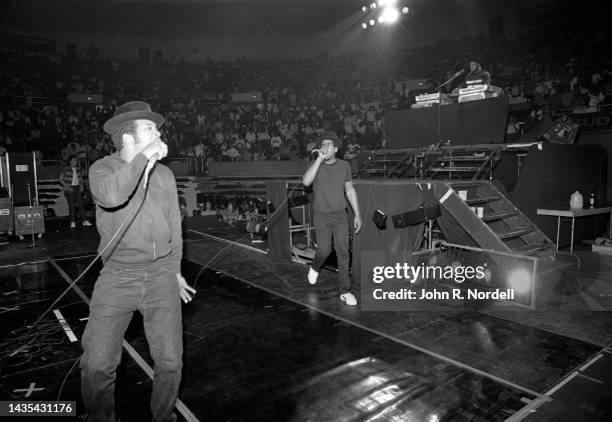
459, 162
469, 162
232, 186
388, 164
502, 228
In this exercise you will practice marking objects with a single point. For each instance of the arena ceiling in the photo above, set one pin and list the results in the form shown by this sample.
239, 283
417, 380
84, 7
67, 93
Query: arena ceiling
178, 18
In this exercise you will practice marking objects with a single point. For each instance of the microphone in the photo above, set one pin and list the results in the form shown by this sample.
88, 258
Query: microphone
150, 165
153, 159
319, 150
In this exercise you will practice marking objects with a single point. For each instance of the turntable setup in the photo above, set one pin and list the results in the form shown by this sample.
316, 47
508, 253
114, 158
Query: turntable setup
472, 92
429, 100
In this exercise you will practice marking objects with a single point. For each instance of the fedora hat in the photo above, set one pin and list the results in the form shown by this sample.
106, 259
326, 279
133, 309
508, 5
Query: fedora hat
132, 110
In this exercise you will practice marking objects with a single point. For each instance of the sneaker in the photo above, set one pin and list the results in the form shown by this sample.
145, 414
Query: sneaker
73, 225
348, 298
86, 223
312, 276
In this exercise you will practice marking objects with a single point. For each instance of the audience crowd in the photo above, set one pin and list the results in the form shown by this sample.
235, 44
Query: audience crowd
297, 98
231, 209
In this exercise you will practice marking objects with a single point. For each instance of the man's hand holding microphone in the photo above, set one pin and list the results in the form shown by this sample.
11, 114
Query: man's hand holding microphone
154, 152
323, 153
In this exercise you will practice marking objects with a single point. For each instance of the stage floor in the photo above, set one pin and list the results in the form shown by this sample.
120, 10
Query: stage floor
262, 344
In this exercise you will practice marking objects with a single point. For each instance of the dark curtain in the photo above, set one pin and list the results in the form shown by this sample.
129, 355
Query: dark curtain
391, 245
507, 170
549, 177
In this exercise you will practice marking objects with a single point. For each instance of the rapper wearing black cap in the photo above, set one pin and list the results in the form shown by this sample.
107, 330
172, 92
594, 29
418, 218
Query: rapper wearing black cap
331, 179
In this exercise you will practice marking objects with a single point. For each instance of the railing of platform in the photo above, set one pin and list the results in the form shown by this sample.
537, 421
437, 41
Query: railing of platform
196, 165
51, 163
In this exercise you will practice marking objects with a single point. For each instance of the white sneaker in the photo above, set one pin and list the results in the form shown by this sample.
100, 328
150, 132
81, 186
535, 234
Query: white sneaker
312, 276
73, 225
86, 223
348, 298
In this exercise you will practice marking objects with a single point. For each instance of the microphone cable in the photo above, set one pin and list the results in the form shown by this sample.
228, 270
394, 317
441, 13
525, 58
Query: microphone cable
78, 278
133, 213
135, 209
289, 196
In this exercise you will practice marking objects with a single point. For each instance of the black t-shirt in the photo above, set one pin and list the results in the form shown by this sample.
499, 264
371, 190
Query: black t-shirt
328, 186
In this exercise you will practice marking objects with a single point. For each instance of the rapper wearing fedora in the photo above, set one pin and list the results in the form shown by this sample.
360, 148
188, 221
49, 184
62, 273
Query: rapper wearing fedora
330, 178
130, 111
138, 218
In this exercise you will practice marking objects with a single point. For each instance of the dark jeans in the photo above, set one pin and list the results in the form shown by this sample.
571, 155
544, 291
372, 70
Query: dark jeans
75, 196
154, 292
328, 226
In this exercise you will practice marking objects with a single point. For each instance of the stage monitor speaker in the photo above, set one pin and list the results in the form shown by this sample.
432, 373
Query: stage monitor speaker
29, 220
22, 172
418, 216
562, 131
380, 219
6, 215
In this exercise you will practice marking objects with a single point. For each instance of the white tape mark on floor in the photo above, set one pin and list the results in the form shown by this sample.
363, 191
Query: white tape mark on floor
591, 362
65, 325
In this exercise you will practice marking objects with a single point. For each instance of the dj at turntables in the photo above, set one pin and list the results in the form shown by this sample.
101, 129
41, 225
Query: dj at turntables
477, 75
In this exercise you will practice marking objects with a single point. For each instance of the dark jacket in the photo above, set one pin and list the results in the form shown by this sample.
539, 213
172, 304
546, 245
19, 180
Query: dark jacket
478, 75
155, 232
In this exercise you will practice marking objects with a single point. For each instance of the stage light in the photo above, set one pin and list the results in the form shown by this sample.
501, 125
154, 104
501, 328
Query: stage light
373, 6
432, 260
390, 15
381, 3
364, 25
372, 22
520, 281
381, 19
487, 275
405, 10
365, 9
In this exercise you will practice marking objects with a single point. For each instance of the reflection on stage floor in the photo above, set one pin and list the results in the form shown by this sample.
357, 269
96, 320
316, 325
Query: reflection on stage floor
262, 344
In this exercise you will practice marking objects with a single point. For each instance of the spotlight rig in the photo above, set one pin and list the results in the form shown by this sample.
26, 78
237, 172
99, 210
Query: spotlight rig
383, 12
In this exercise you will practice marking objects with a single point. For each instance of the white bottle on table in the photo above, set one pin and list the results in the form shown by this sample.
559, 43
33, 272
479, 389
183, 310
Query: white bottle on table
576, 201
